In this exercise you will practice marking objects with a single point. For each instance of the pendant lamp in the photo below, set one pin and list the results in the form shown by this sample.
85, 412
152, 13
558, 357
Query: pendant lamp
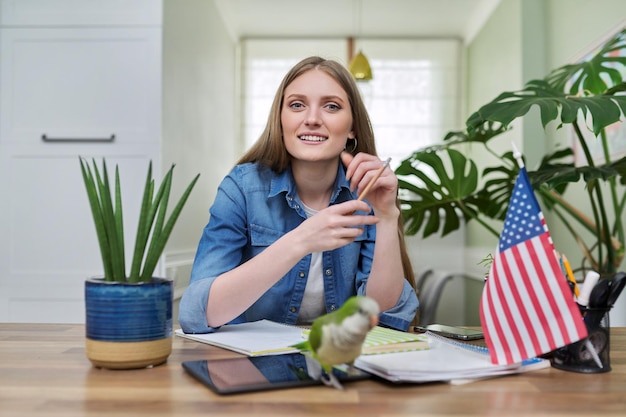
360, 68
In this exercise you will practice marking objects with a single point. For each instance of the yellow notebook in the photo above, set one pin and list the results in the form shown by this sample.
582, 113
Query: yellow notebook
385, 340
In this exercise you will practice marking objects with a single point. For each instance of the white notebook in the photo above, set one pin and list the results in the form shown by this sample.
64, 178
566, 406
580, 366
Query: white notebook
446, 360
257, 338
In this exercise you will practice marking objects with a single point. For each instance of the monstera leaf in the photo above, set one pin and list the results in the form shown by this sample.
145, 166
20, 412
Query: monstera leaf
594, 87
499, 181
440, 193
592, 75
553, 104
555, 175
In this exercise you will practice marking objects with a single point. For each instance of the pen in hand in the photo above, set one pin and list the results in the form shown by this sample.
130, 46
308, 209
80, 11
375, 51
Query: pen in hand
373, 180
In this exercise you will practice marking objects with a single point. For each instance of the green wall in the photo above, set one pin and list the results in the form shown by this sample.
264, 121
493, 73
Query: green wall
524, 40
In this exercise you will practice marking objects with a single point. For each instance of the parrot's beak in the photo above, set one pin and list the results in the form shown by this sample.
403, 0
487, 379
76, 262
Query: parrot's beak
373, 321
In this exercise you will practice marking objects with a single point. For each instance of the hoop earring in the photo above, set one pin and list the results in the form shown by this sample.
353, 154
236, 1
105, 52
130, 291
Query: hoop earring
356, 142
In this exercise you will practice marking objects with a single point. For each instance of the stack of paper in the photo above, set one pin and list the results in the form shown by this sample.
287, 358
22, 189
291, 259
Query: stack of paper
446, 360
407, 357
265, 337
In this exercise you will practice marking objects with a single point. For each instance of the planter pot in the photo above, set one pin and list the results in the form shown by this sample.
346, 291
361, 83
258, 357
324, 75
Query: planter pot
128, 325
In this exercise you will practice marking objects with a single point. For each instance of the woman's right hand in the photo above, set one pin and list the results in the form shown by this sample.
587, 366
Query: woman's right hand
334, 226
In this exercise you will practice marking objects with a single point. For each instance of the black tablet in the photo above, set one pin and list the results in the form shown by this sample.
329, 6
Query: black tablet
245, 374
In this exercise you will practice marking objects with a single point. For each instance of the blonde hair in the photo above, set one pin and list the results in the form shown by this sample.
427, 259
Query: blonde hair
269, 149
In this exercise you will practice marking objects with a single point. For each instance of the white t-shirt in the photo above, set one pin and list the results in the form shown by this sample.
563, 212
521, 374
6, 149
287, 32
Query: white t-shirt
313, 304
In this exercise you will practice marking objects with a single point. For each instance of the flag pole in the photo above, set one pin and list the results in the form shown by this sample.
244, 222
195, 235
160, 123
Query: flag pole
517, 155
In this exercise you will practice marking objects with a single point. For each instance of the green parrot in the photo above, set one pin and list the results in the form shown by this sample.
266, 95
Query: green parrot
337, 337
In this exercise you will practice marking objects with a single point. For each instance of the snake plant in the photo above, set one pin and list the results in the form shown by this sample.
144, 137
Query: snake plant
153, 229
440, 187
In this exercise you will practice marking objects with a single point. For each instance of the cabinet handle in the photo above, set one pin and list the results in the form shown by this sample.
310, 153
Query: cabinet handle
46, 138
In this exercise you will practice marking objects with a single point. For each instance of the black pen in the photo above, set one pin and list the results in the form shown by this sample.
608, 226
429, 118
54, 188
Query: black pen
591, 279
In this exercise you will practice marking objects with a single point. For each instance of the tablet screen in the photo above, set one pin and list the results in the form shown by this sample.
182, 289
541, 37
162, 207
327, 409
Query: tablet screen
245, 374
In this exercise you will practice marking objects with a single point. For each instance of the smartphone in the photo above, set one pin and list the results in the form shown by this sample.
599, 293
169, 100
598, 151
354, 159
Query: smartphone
454, 332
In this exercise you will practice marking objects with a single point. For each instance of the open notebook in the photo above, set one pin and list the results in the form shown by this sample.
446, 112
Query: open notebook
265, 337
446, 360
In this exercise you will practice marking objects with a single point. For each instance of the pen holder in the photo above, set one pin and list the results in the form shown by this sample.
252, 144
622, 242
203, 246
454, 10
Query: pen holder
577, 357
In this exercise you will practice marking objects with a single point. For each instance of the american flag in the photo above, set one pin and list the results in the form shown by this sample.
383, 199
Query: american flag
527, 307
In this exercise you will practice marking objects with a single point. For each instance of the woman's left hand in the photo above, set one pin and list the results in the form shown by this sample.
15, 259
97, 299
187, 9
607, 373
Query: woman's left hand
360, 170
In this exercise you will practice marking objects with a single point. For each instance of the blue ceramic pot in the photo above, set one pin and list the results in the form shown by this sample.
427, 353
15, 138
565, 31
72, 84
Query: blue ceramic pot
117, 311
128, 325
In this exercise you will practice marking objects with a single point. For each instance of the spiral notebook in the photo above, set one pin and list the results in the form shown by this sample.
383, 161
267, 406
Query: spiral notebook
445, 360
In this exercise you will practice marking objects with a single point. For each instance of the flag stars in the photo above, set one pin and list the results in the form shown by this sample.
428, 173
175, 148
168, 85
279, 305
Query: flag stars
521, 222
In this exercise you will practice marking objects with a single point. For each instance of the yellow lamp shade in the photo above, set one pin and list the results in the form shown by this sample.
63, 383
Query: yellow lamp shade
360, 68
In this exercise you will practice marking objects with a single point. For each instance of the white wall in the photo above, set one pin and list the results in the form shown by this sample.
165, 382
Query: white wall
199, 134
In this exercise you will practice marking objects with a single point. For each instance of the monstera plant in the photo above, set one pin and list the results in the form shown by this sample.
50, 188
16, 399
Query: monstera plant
441, 187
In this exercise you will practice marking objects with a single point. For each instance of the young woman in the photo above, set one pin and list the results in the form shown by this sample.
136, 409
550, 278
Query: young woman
287, 239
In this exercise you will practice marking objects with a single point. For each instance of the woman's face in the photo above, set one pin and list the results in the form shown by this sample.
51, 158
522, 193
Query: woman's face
316, 117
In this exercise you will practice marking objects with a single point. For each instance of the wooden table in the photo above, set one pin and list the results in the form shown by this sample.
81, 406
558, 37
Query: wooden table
44, 371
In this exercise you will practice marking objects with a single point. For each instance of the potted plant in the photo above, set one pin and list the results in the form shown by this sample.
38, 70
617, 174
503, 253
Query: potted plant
129, 317
441, 187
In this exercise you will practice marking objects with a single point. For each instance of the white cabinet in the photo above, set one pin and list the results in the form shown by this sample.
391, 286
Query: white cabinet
76, 78
83, 85
80, 12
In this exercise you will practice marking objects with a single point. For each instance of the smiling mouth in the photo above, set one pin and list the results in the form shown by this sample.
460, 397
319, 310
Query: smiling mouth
311, 138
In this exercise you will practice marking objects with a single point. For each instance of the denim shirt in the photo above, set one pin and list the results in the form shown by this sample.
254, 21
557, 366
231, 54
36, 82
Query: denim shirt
253, 208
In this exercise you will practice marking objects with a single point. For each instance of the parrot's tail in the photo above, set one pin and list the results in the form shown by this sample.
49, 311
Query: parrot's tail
303, 346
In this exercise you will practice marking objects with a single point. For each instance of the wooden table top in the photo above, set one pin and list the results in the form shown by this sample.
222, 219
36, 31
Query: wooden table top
44, 371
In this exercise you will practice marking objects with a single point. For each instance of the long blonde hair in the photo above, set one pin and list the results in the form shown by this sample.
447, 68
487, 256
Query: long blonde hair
270, 150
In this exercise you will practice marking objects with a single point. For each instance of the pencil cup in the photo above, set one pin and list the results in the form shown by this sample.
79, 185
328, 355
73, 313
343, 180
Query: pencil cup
578, 356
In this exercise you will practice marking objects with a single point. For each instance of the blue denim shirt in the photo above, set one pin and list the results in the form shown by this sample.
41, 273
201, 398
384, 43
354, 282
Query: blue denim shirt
253, 208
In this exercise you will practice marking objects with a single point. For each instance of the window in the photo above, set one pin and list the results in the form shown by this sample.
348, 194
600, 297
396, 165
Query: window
413, 100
